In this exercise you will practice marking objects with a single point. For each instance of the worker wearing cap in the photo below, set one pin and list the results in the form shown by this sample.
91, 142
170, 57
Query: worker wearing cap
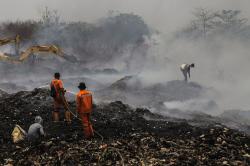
185, 68
84, 109
57, 92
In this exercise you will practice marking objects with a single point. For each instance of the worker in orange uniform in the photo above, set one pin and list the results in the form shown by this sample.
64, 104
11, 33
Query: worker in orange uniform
84, 109
60, 104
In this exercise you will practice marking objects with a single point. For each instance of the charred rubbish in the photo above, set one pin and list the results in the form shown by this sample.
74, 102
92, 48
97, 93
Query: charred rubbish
123, 137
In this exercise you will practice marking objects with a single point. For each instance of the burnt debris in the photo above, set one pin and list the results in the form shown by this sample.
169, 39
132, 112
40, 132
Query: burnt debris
123, 137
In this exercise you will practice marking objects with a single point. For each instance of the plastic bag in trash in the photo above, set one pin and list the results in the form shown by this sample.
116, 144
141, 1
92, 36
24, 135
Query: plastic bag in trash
18, 134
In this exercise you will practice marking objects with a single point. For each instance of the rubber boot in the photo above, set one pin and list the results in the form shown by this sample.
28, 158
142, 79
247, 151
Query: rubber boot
67, 117
88, 131
55, 116
91, 131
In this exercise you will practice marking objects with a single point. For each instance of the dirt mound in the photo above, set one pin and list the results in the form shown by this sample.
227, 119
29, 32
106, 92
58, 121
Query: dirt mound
126, 83
2, 93
123, 136
239, 115
11, 87
131, 90
178, 90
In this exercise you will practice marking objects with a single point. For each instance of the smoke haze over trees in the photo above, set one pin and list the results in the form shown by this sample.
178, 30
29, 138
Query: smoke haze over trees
212, 23
103, 41
216, 40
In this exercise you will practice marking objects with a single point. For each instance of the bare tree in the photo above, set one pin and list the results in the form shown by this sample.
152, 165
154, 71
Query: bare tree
49, 17
203, 20
230, 20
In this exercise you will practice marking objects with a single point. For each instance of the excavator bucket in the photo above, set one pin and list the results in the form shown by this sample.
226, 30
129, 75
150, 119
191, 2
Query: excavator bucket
7, 58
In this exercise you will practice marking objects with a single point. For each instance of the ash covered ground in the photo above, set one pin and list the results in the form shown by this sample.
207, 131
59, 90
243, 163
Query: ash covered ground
125, 136
137, 122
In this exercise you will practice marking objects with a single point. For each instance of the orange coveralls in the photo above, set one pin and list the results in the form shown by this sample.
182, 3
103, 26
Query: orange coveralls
84, 109
58, 101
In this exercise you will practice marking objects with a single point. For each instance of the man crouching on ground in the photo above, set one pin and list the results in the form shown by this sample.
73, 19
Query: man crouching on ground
36, 132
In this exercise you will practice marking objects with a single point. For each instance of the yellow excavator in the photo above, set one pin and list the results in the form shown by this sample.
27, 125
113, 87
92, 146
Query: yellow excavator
40, 49
7, 58
15, 40
30, 51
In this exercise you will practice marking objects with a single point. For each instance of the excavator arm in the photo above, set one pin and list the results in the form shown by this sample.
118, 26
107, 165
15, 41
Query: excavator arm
41, 49
15, 40
7, 58
5, 41
33, 50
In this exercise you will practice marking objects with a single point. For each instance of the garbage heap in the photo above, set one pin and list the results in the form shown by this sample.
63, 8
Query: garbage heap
123, 137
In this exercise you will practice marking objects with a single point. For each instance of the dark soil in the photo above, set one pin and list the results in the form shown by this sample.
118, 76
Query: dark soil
123, 137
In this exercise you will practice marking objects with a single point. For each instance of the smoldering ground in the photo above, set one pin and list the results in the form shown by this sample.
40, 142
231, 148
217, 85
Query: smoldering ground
149, 49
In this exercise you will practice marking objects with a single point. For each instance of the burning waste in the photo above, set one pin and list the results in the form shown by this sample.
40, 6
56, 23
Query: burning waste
108, 108
124, 137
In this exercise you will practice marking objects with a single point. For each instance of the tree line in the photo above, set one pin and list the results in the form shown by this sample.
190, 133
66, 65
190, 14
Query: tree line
207, 23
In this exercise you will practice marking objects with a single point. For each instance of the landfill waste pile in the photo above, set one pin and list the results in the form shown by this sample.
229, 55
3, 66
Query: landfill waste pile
2, 93
131, 89
123, 136
11, 87
176, 99
18, 84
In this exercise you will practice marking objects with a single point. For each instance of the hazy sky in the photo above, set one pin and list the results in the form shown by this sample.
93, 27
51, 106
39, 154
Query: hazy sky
165, 15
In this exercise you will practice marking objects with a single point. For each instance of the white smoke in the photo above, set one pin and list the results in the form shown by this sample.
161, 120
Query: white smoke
221, 63
199, 105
